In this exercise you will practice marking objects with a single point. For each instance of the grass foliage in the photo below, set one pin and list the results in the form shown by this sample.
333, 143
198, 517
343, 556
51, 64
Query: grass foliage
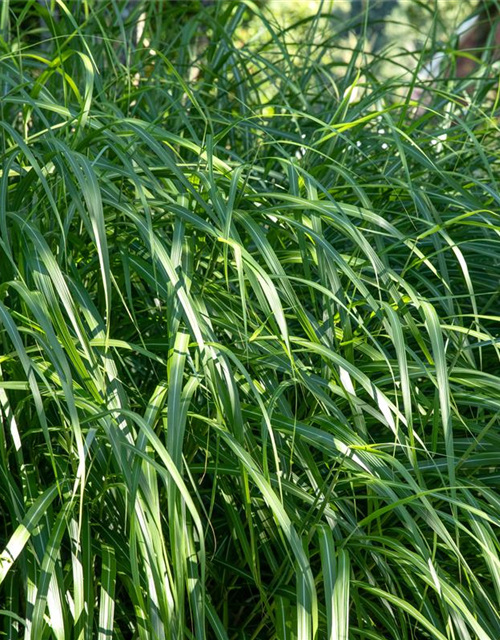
249, 311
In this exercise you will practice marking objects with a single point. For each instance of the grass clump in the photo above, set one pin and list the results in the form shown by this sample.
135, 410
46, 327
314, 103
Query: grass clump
249, 322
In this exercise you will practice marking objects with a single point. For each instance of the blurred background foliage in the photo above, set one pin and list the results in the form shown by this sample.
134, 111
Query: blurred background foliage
402, 25
399, 28
387, 36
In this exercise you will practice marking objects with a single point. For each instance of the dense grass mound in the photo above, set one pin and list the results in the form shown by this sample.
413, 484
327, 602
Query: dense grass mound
249, 310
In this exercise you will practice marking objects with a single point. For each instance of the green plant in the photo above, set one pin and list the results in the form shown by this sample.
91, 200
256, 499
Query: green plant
248, 382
